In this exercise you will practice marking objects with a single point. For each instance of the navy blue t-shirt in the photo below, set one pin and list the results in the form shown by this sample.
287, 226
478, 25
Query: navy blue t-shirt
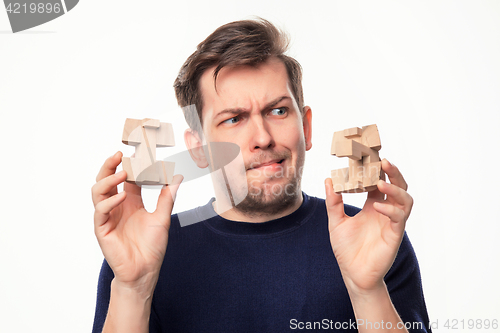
277, 276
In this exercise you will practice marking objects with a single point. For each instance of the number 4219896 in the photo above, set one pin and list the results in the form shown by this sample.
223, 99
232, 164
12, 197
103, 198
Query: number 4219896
32, 8
455, 324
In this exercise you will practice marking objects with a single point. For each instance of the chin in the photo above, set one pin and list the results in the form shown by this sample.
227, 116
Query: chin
270, 198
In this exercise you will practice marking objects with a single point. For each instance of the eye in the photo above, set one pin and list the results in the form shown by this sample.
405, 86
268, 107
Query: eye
232, 120
279, 111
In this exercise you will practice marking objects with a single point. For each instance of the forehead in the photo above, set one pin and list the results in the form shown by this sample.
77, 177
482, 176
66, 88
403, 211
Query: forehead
243, 86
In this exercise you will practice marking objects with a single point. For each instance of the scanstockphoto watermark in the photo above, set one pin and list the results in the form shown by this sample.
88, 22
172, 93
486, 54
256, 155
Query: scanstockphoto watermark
328, 324
24, 15
289, 172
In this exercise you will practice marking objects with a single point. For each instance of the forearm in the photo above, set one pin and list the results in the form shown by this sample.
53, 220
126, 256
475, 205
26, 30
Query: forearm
375, 312
129, 309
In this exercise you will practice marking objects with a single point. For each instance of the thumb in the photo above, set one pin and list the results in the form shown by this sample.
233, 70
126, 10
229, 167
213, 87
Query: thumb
334, 204
167, 198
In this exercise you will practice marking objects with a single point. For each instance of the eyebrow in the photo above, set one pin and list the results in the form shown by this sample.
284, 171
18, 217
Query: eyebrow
237, 111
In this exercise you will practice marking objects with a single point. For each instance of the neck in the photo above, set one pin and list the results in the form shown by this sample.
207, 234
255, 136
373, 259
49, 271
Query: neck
234, 214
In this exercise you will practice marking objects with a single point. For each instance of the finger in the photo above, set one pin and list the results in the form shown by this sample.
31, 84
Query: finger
109, 166
397, 195
395, 214
376, 194
395, 176
394, 193
167, 198
334, 204
132, 189
103, 208
107, 187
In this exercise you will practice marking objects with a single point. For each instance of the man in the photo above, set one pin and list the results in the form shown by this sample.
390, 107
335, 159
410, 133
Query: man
279, 260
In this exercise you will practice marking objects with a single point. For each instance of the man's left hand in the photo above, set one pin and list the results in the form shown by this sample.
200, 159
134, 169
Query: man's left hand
365, 245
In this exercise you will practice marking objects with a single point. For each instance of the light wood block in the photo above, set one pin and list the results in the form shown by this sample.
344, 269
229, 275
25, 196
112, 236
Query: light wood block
352, 132
361, 146
146, 135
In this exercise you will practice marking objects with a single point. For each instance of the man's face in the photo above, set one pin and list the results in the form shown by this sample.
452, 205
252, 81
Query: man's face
254, 108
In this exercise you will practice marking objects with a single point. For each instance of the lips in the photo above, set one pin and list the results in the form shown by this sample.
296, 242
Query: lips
265, 164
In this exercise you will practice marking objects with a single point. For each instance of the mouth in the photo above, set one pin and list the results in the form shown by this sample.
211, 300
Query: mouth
276, 163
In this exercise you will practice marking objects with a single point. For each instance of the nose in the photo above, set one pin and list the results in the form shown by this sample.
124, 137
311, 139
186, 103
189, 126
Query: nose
261, 137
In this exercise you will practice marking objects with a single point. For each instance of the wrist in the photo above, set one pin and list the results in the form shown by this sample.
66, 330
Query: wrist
366, 292
374, 305
140, 289
129, 308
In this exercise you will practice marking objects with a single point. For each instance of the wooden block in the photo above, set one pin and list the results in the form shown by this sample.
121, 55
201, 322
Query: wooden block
132, 134
340, 141
355, 173
352, 132
348, 180
361, 147
371, 173
371, 137
371, 157
347, 149
152, 123
354, 150
339, 178
127, 166
165, 136
136, 172
160, 173
165, 171
337, 136
342, 183
146, 135
148, 175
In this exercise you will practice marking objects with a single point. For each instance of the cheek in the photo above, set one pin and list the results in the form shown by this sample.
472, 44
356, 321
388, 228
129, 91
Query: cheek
294, 138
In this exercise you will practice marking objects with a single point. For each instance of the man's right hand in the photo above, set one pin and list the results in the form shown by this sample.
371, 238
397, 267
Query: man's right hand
132, 240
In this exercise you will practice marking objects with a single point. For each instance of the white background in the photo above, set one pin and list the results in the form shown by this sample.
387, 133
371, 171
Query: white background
426, 72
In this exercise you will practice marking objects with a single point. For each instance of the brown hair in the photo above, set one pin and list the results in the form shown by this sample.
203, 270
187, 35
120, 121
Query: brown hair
247, 42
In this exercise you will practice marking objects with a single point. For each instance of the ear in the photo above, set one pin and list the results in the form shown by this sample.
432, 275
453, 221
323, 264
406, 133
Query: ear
195, 147
307, 125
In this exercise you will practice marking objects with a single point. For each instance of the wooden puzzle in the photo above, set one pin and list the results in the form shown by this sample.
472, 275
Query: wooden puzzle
361, 145
146, 135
